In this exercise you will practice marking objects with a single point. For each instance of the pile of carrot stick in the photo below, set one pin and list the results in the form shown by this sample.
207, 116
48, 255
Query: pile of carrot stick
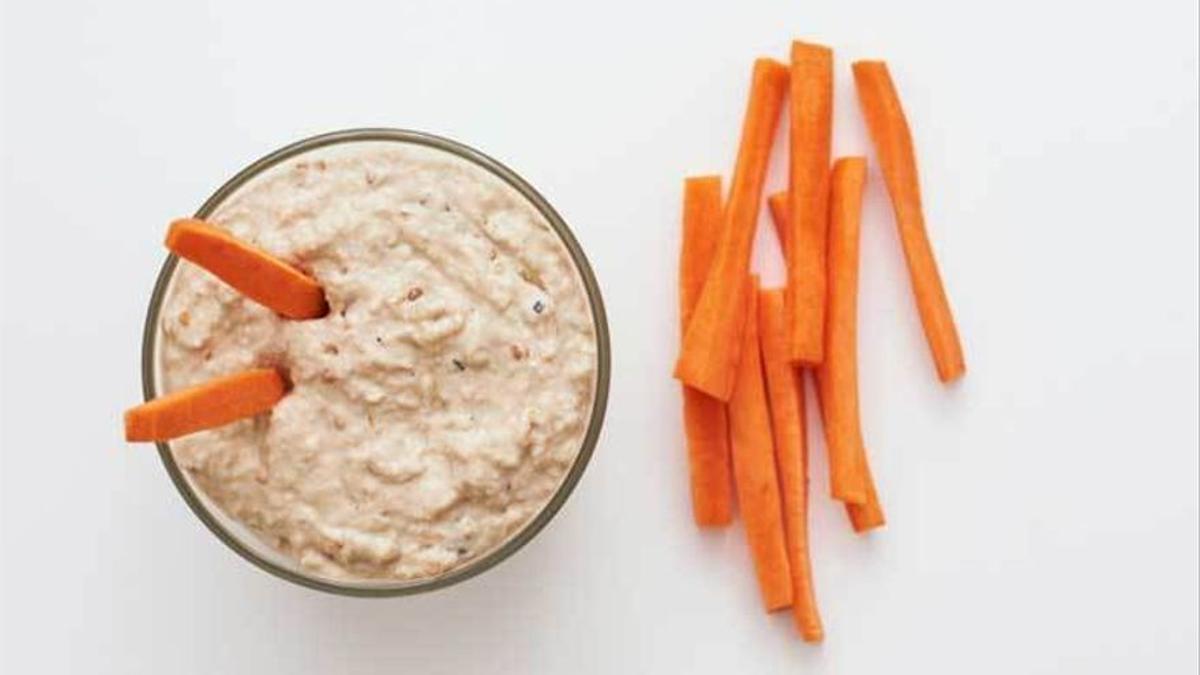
746, 349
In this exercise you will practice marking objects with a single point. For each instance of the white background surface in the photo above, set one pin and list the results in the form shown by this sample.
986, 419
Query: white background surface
1043, 514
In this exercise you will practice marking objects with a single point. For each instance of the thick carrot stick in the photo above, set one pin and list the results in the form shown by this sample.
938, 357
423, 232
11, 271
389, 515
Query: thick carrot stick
712, 343
754, 466
894, 146
705, 423
253, 272
837, 376
786, 396
811, 127
205, 406
781, 219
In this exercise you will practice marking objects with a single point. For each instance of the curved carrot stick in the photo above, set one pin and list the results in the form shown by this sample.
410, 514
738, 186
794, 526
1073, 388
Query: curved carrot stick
893, 144
811, 129
705, 422
837, 376
786, 396
712, 343
253, 272
205, 406
754, 467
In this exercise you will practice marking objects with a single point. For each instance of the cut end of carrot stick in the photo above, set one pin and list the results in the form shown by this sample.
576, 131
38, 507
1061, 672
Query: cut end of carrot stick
205, 406
810, 50
251, 271
853, 164
868, 63
869, 515
866, 517
812, 634
774, 70
951, 370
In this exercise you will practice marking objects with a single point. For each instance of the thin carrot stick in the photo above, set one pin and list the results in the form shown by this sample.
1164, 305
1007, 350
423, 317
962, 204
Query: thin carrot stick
894, 146
705, 421
811, 117
837, 376
205, 406
786, 397
780, 218
754, 467
253, 272
712, 343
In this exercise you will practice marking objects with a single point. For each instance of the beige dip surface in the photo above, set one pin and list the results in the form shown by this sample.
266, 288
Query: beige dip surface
439, 405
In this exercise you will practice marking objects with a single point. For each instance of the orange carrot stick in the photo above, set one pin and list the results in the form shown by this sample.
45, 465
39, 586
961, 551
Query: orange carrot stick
811, 117
206, 405
712, 343
786, 396
779, 216
251, 271
705, 422
837, 376
894, 146
754, 467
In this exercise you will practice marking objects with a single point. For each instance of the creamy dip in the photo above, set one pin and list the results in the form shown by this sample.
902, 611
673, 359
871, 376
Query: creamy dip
439, 405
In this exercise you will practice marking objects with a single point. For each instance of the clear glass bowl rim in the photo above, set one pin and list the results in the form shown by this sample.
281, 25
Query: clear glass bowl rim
599, 405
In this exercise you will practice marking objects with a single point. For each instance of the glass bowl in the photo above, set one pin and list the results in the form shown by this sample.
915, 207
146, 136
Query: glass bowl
246, 543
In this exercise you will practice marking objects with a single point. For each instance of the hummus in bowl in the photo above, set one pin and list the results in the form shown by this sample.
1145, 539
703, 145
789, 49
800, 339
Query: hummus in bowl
441, 412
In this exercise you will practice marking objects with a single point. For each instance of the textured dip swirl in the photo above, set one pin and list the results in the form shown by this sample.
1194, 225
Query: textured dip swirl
439, 405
